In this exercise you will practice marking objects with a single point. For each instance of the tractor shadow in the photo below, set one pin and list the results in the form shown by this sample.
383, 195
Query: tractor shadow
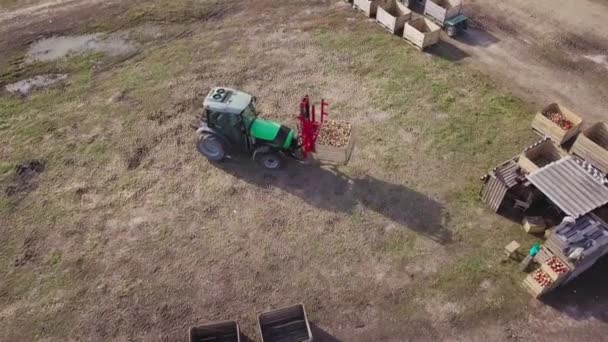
331, 190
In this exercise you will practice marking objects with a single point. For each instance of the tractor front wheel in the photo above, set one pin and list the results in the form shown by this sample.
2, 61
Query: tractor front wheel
451, 31
210, 146
271, 161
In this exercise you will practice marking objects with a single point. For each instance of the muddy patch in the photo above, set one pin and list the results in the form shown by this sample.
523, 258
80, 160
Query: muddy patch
55, 48
25, 87
25, 178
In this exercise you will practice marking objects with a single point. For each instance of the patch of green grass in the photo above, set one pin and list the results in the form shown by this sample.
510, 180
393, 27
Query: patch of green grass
481, 121
55, 259
468, 124
400, 245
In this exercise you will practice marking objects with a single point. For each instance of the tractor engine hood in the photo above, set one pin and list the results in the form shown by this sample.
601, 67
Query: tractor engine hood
273, 132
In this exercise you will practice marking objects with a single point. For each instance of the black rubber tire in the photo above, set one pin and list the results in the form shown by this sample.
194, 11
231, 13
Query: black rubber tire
211, 146
451, 31
271, 161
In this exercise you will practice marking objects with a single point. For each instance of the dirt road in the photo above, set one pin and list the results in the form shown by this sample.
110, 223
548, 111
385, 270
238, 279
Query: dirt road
543, 50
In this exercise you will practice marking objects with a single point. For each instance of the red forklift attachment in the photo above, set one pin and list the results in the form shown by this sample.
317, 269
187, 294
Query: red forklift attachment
309, 127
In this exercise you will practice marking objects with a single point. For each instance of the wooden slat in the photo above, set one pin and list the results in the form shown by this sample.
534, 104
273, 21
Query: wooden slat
335, 155
366, 6
393, 16
493, 193
442, 10
421, 32
591, 145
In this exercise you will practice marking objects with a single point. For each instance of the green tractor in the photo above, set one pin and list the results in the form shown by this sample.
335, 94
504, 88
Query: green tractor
229, 125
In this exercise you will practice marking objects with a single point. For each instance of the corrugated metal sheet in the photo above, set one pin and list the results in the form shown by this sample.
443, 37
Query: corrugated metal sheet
570, 187
493, 192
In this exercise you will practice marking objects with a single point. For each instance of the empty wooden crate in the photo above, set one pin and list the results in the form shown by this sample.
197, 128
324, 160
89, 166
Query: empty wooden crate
226, 331
592, 146
442, 10
366, 6
285, 325
539, 155
421, 32
392, 15
559, 132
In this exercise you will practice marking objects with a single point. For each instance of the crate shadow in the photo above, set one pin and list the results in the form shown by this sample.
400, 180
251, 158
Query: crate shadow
478, 37
448, 51
328, 189
585, 297
320, 335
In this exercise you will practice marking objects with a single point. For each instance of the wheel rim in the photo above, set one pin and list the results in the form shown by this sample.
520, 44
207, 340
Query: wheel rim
271, 162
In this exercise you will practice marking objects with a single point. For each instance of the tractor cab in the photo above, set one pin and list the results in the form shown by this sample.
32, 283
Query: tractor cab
230, 114
230, 123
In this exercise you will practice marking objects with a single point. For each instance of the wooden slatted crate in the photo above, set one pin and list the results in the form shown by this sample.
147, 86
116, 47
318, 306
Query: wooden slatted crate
592, 146
557, 277
335, 155
442, 10
392, 15
422, 33
369, 7
534, 287
544, 126
539, 155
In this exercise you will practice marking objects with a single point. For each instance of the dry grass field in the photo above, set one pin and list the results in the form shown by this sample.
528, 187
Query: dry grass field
114, 228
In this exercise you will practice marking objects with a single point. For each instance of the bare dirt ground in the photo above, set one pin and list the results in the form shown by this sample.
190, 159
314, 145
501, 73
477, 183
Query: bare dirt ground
114, 228
543, 50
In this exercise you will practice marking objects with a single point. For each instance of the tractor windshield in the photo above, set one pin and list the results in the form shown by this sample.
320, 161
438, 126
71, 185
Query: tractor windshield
249, 115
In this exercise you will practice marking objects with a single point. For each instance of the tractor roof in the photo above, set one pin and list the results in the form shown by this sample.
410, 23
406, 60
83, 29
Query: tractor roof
227, 100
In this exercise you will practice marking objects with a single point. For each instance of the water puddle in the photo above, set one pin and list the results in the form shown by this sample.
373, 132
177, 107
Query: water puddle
25, 87
54, 48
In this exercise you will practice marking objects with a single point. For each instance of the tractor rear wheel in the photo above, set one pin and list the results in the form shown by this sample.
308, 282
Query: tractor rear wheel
210, 146
271, 161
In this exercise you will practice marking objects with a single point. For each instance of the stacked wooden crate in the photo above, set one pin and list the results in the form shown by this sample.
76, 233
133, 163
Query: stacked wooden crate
592, 146
579, 245
422, 33
546, 127
538, 283
392, 15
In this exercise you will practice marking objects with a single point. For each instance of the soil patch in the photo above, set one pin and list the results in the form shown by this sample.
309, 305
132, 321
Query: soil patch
54, 48
25, 87
24, 179
135, 159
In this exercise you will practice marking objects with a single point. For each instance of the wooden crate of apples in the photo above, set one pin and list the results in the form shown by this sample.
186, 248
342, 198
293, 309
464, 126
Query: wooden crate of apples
538, 283
555, 268
335, 142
